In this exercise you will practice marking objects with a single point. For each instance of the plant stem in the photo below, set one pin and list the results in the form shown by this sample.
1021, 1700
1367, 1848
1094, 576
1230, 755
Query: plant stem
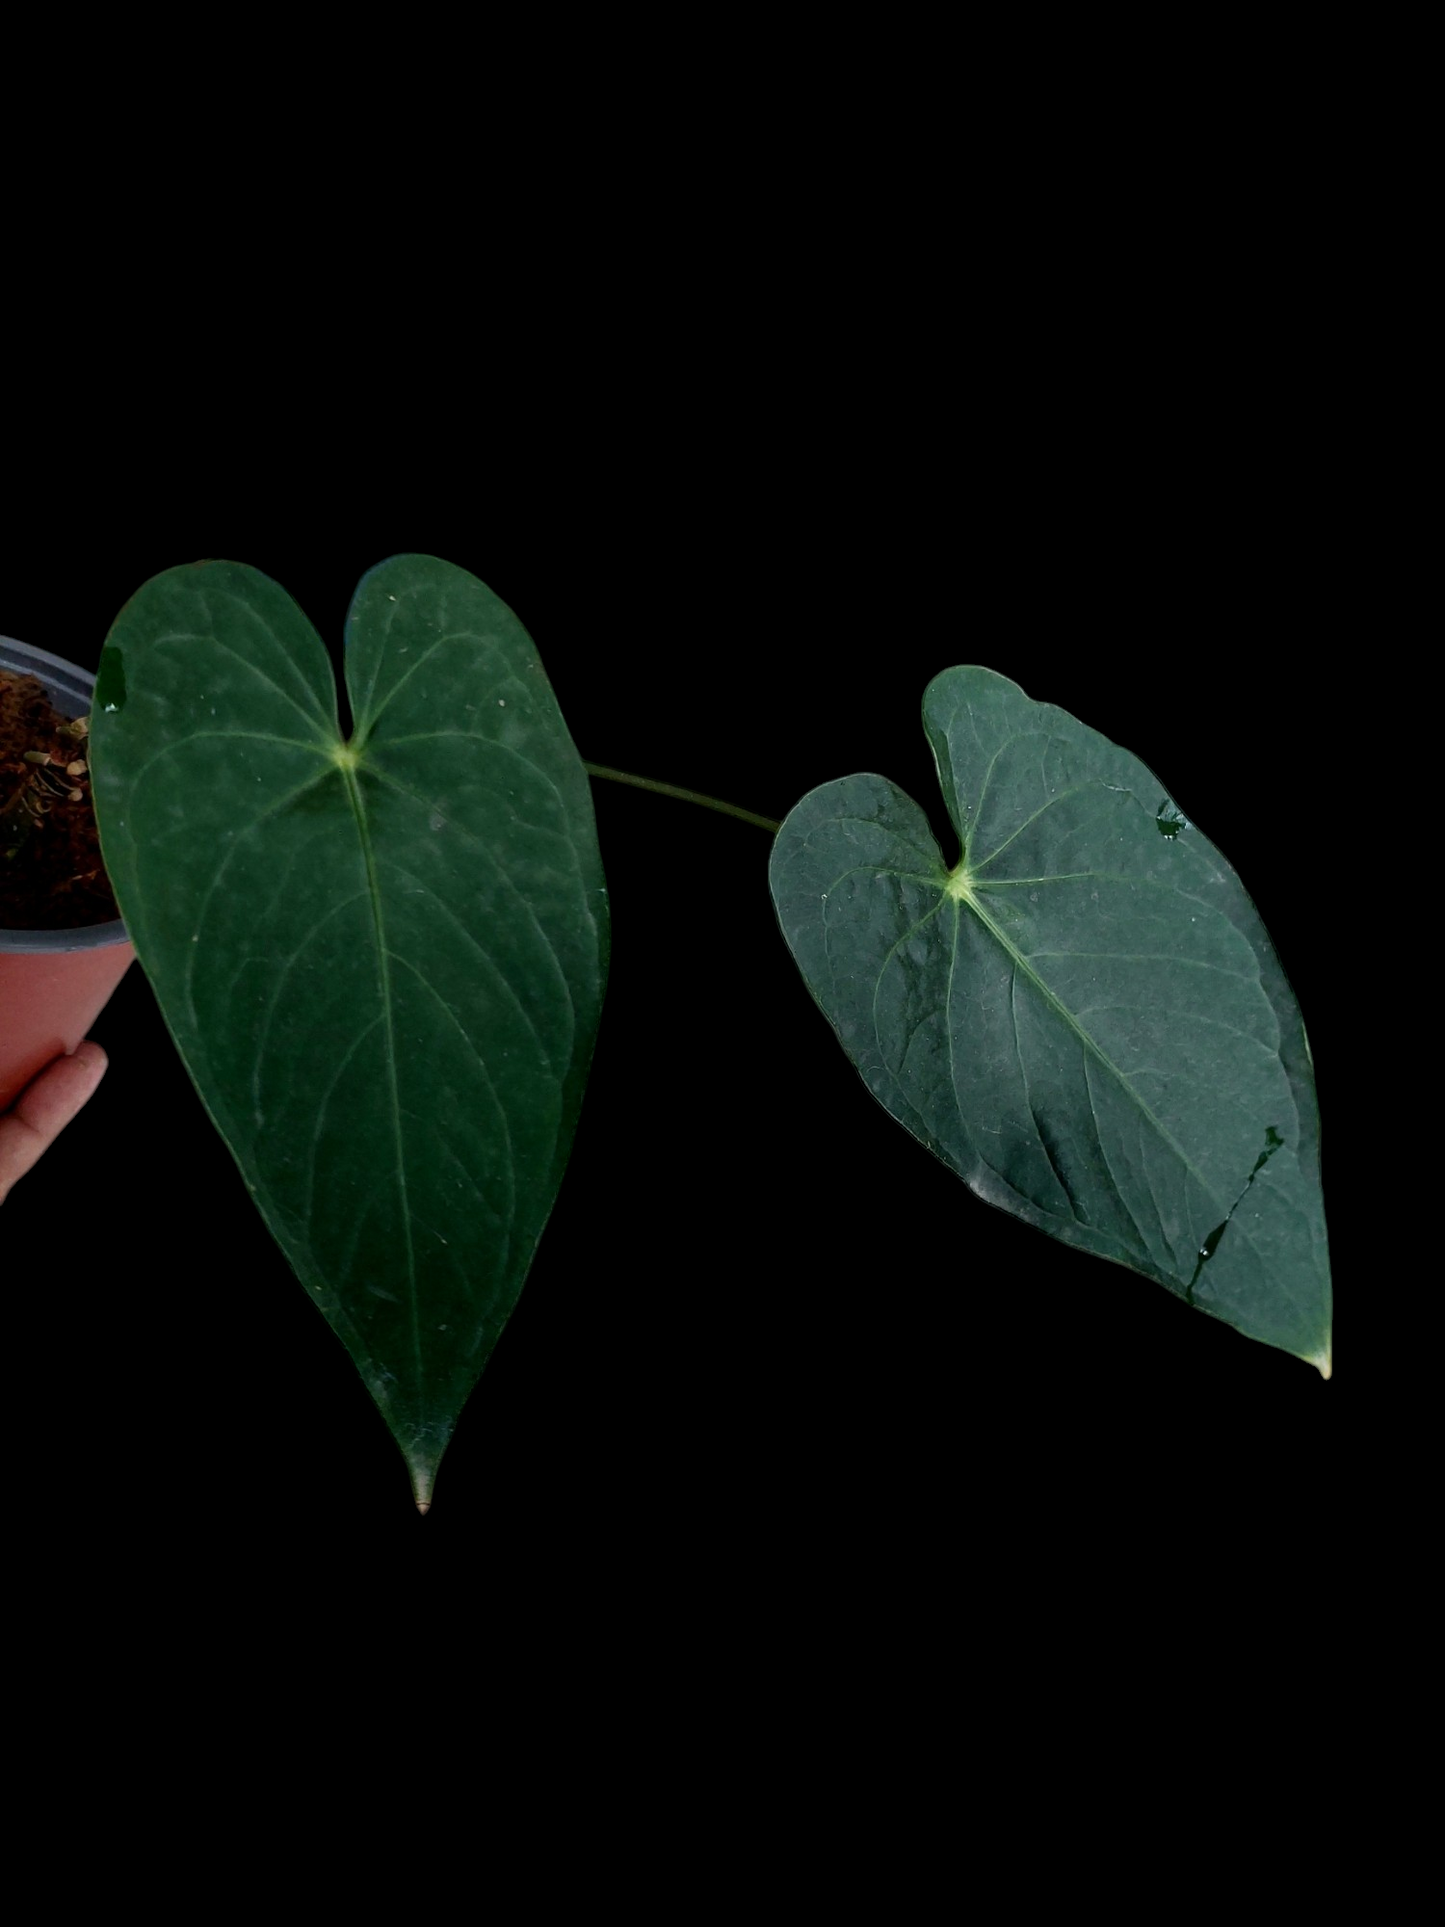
685, 796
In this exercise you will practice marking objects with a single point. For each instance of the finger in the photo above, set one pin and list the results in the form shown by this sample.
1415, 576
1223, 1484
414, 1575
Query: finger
44, 1108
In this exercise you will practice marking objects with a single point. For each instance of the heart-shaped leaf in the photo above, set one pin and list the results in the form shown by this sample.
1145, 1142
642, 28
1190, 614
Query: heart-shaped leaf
1084, 1016
382, 958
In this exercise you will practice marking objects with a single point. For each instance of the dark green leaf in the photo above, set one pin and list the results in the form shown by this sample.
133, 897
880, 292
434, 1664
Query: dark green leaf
382, 960
1084, 1016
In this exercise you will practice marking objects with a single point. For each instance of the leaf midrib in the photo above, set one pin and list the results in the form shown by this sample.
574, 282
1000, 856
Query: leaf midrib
1021, 962
368, 854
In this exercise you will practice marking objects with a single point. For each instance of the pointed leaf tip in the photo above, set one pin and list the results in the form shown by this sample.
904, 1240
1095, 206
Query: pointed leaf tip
423, 1506
1323, 1363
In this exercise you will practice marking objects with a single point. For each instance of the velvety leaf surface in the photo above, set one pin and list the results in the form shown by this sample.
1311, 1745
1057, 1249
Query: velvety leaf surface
1084, 1017
383, 960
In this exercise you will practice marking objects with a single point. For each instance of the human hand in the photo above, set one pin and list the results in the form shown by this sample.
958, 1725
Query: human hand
44, 1108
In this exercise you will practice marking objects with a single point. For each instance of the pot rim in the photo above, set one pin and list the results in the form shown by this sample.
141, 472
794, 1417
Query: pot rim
70, 689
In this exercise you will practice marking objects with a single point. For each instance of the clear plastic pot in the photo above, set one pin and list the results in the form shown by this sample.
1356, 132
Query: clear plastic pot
53, 983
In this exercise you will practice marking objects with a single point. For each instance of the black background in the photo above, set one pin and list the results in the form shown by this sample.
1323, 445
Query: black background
762, 1319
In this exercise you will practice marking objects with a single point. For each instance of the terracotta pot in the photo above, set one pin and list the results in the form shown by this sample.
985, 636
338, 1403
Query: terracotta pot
53, 983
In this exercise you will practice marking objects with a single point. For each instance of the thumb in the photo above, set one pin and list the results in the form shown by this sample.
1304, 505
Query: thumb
44, 1108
